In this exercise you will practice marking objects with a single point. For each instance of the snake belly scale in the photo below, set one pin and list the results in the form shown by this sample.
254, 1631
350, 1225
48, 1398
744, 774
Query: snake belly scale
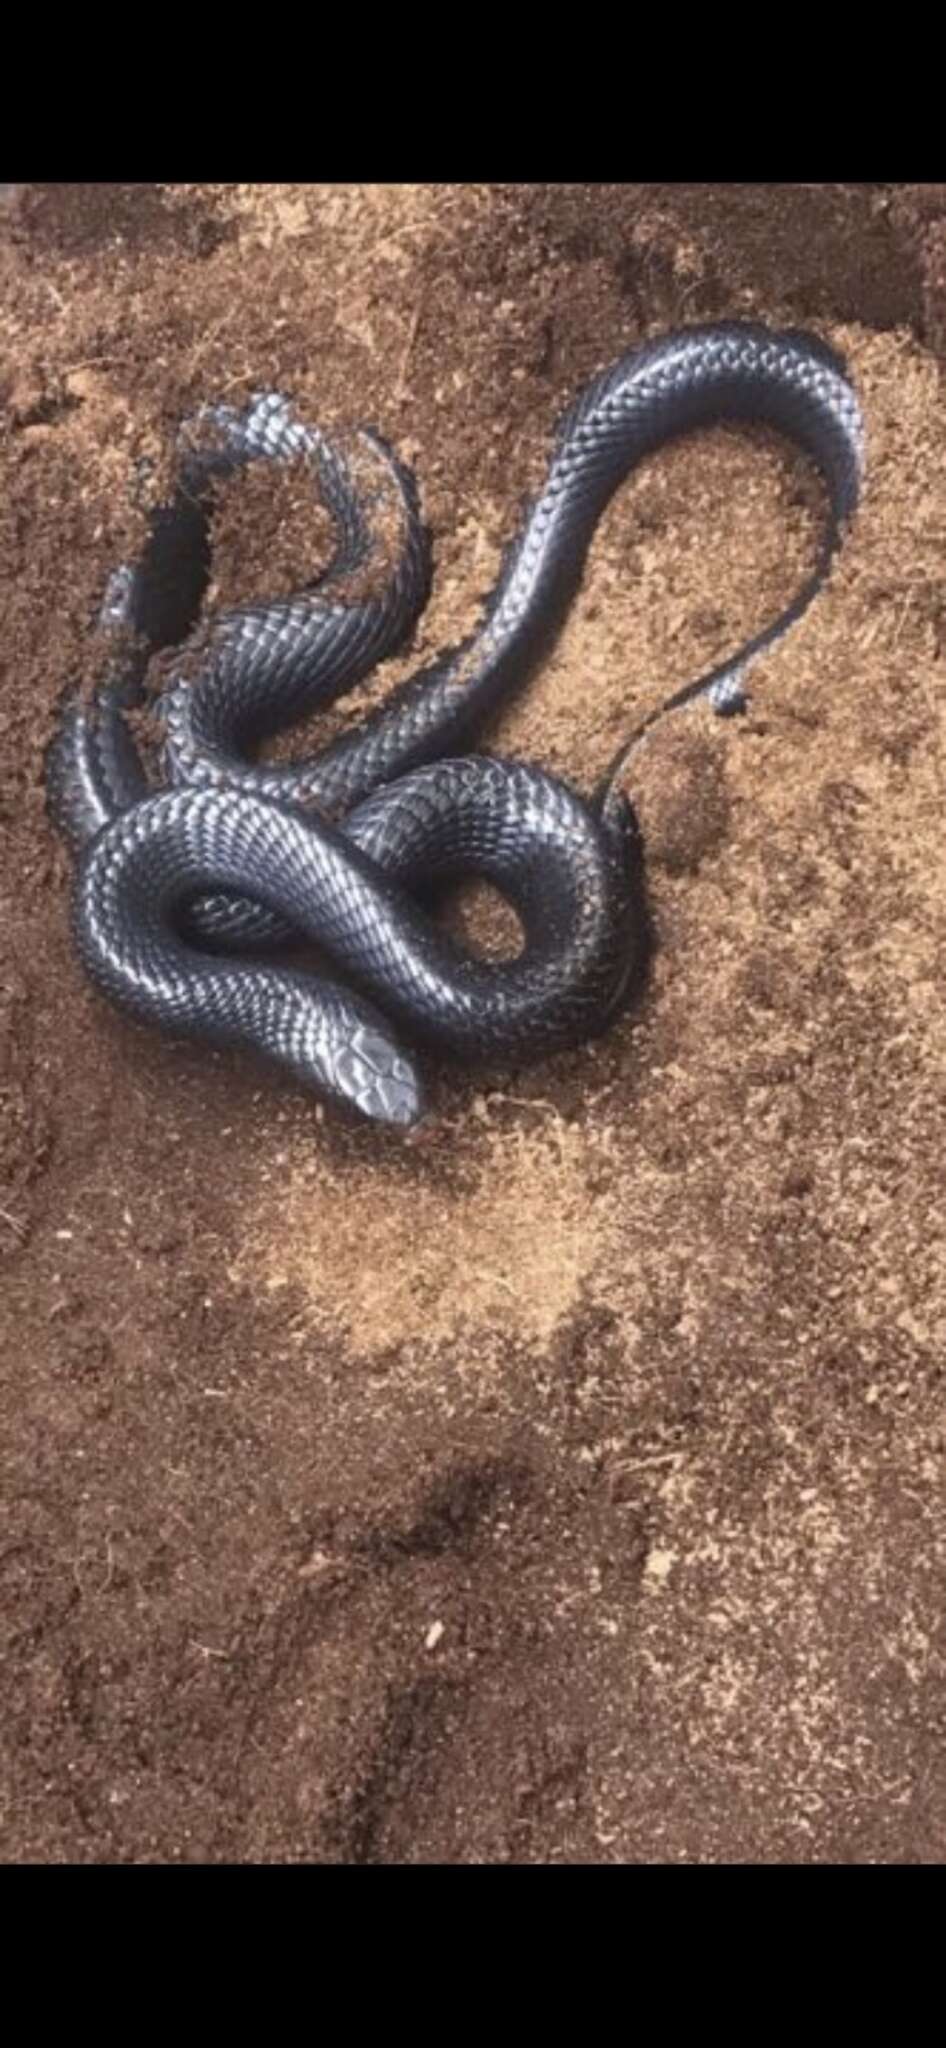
184, 894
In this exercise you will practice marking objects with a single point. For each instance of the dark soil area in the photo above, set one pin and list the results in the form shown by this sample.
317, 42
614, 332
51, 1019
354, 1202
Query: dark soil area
565, 1485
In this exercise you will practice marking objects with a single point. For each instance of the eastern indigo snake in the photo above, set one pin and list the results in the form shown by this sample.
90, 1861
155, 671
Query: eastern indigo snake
233, 857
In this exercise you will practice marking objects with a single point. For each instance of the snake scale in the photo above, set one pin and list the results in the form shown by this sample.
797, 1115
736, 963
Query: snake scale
184, 894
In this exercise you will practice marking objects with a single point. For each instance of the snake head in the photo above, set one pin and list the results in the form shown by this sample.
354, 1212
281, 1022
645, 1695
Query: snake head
376, 1079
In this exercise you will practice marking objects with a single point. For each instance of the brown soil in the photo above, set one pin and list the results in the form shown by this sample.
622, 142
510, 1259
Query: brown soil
567, 1485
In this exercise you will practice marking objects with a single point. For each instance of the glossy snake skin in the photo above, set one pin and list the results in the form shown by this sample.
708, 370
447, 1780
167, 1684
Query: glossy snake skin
181, 894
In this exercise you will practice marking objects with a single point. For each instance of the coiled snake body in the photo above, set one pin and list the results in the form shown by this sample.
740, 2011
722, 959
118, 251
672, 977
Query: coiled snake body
234, 856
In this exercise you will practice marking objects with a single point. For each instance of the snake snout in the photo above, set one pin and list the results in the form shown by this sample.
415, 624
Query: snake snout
376, 1078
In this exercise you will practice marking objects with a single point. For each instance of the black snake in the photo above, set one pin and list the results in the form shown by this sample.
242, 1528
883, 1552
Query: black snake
233, 856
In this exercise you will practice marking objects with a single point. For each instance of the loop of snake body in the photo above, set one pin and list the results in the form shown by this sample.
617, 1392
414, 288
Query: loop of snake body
178, 892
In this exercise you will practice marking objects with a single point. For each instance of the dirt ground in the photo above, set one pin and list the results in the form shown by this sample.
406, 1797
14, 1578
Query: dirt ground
566, 1486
